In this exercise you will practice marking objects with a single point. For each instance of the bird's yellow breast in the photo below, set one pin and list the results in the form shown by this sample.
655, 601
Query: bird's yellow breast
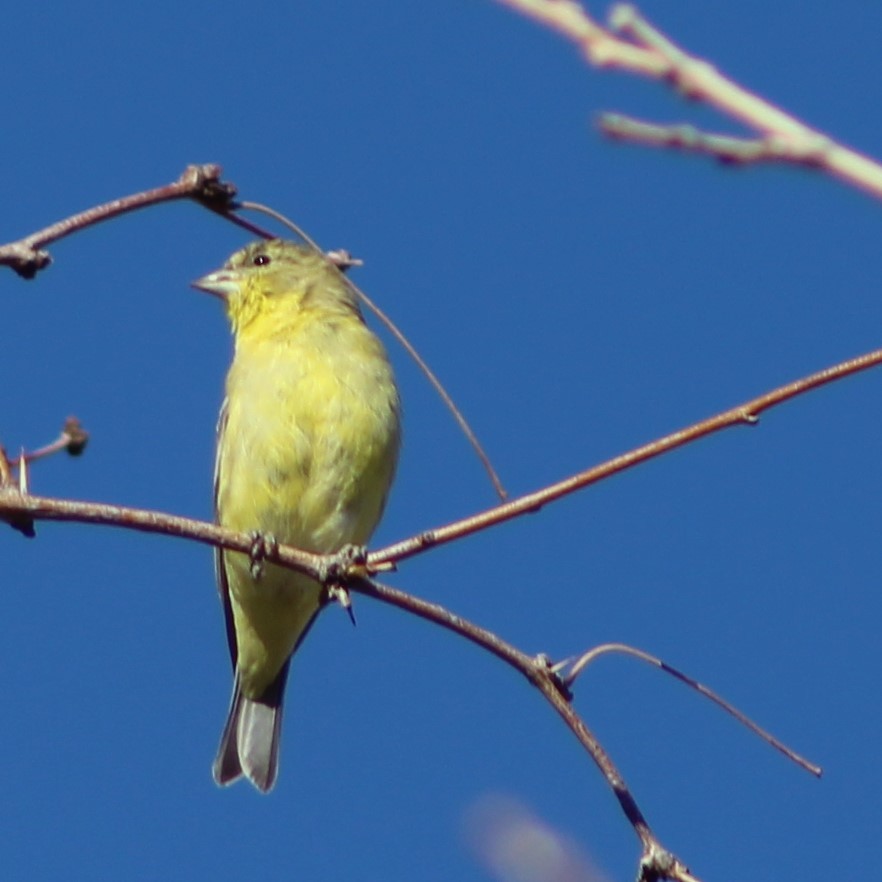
307, 453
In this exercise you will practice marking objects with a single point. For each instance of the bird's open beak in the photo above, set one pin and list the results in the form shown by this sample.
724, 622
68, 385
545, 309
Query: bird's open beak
222, 283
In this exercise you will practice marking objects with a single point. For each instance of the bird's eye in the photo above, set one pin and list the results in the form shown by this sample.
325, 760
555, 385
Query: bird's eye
261, 259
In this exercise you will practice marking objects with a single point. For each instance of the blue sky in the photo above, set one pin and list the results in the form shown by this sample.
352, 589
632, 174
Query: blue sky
578, 298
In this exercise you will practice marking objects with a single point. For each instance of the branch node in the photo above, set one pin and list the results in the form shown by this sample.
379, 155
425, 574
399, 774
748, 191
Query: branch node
340, 595
76, 436
426, 539
622, 16
343, 260
19, 521
543, 667
205, 185
24, 259
658, 863
350, 562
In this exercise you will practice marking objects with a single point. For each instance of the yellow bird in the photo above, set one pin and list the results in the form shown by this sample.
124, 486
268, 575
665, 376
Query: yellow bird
308, 441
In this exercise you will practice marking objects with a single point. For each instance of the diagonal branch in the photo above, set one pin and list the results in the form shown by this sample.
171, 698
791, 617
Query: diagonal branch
657, 862
743, 414
17, 507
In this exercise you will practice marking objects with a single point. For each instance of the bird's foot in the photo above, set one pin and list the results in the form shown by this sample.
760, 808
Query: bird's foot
339, 594
262, 546
348, 563
353, 558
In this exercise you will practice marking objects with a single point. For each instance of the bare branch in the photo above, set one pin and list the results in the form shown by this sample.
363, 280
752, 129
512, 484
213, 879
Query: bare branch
15, 505
203, 184
199, 182
743, 414
20, 509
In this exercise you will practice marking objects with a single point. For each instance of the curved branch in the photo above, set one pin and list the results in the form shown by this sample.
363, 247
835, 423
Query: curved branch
604, 649
200, 182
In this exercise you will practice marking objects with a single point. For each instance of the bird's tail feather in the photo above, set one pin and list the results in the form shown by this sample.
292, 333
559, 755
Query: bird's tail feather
250, 741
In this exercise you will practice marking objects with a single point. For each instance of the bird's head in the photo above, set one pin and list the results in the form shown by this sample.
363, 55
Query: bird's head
276, 280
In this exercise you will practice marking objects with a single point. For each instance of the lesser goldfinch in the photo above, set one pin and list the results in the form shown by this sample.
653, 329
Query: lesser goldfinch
308, 441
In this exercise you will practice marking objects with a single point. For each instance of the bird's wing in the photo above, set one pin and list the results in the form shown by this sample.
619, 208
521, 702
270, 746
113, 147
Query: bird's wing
220, 568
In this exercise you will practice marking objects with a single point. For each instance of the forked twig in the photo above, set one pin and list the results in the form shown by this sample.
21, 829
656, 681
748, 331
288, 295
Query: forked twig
632, 45
725, 148
657, 862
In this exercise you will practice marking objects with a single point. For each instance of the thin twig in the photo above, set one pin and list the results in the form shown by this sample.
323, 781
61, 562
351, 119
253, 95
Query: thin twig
341, 259
282, 219
436, 384
595, 653
726, 148
73, 438
599, 46
542, 675
229, 213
